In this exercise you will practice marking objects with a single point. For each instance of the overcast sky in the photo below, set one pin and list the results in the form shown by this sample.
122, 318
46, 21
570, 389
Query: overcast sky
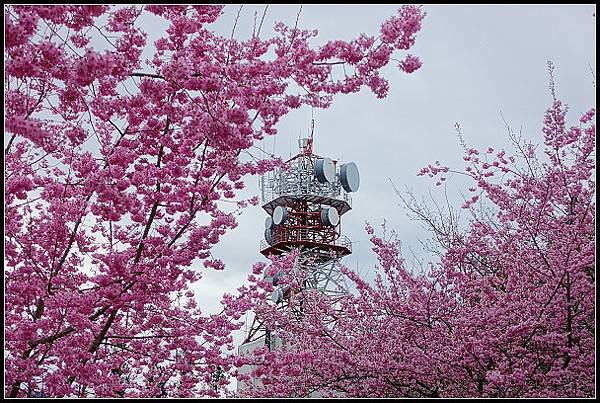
478, 61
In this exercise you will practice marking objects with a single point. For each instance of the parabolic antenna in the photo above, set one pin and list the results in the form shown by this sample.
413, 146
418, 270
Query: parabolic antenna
325, 170
269, 222
269, 236
349, 177
330, 216
277, 295
279, 215
273, 279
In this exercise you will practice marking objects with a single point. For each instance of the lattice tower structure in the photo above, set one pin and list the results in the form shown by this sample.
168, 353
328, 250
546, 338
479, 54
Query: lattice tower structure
305, 200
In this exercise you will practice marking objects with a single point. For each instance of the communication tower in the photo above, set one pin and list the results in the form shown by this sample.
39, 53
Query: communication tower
305, 200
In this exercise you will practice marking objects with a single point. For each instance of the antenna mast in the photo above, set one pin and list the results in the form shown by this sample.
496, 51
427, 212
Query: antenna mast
309, 145
305, 200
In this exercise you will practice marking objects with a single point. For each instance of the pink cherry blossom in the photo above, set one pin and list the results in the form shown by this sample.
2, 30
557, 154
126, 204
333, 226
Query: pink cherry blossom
508, 310
115, 170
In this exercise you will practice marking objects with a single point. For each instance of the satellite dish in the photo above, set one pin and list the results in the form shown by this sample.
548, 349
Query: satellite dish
330, 216
279, 215
269, 236
325, 170
273, 279
277, 295
349, 177
268, 222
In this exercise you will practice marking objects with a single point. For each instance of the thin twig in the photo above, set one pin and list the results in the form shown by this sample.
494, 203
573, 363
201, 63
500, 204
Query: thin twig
262, 20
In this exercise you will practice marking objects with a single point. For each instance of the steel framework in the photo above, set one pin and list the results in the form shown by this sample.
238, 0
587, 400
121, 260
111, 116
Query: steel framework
297, 197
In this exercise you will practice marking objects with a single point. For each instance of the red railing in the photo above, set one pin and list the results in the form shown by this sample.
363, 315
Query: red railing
308, 236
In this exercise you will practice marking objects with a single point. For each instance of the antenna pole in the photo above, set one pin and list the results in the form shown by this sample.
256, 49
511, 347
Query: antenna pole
310, 139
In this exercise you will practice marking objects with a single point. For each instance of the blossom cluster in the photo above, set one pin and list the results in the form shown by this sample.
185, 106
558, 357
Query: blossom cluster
116, 170
507, 311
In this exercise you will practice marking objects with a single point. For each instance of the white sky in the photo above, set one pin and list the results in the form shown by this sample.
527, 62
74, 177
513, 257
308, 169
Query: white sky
478, 61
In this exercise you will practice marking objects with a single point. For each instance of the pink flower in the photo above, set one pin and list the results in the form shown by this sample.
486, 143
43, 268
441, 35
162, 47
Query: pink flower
410, 63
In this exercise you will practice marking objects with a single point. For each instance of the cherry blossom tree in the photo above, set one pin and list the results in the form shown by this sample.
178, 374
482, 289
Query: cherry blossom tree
507, 311
115, 169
